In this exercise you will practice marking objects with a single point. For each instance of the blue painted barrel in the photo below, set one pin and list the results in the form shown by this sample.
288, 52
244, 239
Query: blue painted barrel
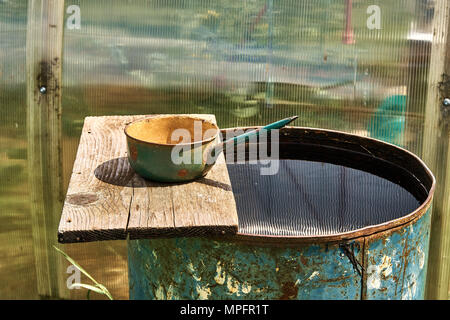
346, 217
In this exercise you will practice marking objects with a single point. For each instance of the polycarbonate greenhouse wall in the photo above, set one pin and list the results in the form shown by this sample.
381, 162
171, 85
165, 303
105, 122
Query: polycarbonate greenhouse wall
247, 62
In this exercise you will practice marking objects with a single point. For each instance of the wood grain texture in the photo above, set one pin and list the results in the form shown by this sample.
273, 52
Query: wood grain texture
44, 74
106, 200
436, 153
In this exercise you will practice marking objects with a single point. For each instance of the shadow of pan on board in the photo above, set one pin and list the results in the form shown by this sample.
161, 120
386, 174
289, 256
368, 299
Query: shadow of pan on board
119, 172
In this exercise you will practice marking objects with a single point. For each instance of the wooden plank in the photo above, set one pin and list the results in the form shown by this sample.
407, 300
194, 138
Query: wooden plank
445, 229
99, 193
43, 61
435, 154
202, 207
107, 200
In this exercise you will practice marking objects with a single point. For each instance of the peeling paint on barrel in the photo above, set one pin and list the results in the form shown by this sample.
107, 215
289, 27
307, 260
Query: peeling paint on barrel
385, 265
199, 268
396, 261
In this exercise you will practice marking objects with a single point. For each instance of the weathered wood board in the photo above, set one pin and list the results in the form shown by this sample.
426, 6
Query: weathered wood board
44, 44
106, 200
436, 152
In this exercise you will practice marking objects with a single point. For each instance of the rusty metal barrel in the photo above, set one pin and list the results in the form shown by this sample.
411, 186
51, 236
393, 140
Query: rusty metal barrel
345, 217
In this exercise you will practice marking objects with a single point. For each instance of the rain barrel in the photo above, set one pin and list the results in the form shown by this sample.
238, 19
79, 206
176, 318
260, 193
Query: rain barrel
345, 217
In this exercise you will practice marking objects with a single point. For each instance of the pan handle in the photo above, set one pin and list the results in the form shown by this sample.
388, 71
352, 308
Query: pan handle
212, 152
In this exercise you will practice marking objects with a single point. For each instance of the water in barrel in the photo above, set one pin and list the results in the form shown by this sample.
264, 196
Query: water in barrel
307, 198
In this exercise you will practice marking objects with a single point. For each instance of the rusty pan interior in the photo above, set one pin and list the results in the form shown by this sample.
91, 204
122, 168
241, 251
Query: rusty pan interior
329, 186
160, 129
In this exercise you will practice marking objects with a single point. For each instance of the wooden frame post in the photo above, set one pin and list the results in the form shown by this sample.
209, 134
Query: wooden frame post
43, 60
436, 152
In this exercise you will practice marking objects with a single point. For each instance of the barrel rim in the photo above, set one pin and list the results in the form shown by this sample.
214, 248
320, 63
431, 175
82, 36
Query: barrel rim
353, 234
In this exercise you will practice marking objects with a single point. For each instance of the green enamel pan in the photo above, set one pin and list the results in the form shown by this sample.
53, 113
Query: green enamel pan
179, 148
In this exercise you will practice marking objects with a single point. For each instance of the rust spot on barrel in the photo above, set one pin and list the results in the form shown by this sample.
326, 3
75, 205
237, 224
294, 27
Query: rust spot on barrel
303, 260
81, 199
289, 290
